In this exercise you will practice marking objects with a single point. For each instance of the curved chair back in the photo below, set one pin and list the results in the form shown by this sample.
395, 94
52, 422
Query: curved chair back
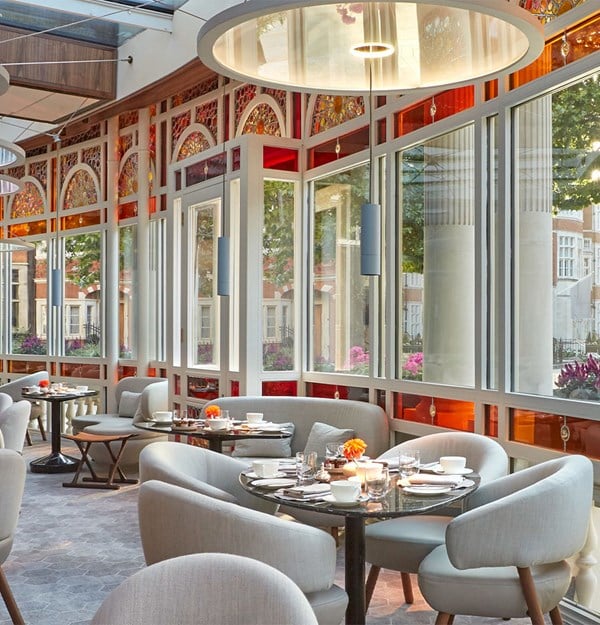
201, 470
484, 455
15, 388
13, 423
204, 589
134, 384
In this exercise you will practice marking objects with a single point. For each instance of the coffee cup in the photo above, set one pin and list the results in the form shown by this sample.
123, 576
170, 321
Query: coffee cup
345, 490
265, 468
452, 464
219, 424
254, 417
82, 388
162, 416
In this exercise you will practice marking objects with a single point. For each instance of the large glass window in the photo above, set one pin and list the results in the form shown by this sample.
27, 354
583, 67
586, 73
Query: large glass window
437, 260
128, 297
278, 275
82, 291
340, 315
158, 290
556, 252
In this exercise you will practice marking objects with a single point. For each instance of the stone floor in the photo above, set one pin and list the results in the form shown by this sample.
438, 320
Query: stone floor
73, 546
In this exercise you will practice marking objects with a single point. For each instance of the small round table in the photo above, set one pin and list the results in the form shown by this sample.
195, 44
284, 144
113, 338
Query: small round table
395, 504
215, 438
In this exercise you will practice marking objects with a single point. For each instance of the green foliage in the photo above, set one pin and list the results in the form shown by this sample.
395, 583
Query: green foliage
278, 232
82, 259
413, 209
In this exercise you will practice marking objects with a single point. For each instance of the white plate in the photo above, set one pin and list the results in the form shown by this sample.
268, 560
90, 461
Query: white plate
426, 490
274, 482
344, 504
438, 469
253, 475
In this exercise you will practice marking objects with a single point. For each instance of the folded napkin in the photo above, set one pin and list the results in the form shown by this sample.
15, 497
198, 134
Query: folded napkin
310, 490
438, 480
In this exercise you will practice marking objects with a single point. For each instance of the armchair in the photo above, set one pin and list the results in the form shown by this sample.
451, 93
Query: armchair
14, 419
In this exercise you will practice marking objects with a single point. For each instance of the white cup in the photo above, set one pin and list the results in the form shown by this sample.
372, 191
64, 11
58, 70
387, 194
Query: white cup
254, 417
81, 388
219, 423
452, 464
162, 416
345, 490
265, 468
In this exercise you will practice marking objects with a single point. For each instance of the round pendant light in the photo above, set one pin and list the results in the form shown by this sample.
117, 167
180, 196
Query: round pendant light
328, 47
9, 185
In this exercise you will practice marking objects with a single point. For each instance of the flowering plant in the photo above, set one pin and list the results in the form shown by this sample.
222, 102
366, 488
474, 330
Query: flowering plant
580, 380
212, 411
354, 448
44, 383
412, 369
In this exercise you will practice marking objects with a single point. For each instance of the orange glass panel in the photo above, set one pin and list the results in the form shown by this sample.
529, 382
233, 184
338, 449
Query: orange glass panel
276, 387
491, 89
126, 371
381, 131
79, 370
491, 421
203, 388
566, 434
93, 218
24, 366
448, 413
130, 209
31, 227
152, 205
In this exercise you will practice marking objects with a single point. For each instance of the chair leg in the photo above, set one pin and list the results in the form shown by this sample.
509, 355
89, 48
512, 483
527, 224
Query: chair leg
556, 616
371, 582
533, 606
42, 430
443, 618
9, 600
28, 438
407, 588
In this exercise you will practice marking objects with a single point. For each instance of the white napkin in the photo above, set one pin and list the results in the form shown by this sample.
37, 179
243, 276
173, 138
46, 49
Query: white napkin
308, 490
438, 480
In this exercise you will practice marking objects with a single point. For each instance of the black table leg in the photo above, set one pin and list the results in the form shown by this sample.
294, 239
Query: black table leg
56, 462
215, 444
355, 570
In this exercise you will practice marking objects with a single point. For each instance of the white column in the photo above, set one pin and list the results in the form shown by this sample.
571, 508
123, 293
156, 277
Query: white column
449, 254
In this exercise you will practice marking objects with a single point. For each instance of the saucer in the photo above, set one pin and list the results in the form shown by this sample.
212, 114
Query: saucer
253, 476
438, 469
344, 504
426, 490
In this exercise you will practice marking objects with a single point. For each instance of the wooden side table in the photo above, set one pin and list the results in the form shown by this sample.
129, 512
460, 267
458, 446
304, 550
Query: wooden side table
84, 441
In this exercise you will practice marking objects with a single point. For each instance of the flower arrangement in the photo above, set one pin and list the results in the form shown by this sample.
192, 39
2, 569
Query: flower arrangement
212, 411
354, 448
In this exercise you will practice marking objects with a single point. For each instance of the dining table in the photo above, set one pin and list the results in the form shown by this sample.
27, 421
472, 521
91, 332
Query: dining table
216, 438
396, 503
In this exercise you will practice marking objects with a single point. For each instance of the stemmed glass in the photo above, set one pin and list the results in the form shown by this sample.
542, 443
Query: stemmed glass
409, 463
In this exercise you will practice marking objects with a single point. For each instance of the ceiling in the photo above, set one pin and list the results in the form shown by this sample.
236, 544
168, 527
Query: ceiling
62, 57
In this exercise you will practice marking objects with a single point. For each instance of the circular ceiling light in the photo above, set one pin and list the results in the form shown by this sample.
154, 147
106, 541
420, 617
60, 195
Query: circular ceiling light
9, 185
4, 80
15, 245
311, 46
11, 154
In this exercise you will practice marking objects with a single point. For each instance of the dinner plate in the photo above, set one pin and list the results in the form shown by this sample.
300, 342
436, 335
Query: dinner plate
426, 490
344, 504
438, 469
274, 482
252, 475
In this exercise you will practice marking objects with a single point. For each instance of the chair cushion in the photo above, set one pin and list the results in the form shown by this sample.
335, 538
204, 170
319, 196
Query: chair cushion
321, 434
329, 605
265, 448
128, 403
492, 591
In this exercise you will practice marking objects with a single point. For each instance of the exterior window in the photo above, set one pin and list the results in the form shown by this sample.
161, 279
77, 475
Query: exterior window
73, 320
205, 323
566, 257
271, 323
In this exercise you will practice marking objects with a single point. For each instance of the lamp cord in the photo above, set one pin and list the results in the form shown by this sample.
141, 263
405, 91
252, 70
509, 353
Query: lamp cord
371, 168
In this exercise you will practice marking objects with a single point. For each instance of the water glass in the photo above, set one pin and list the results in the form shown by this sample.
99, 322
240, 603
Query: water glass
306, 467
408, 462
332, 450
378, 483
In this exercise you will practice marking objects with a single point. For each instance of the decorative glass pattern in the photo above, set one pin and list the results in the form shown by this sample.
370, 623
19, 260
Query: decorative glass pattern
125, 143
195, 143
547, 10
91, 133
243, 96
179, 124
81, 190
39, 171
194, 92
36, 151
67, 162
27, 202
207, 114
152, 141
332, 110
279, 95
262, 121
128, 119
93, 158
128, 179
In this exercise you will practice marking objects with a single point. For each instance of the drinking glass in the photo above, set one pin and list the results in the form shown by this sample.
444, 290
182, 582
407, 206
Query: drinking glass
378, 483
408, 462
306, 467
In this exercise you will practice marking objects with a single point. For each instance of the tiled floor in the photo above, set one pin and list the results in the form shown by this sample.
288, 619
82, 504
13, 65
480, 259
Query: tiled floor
74, 545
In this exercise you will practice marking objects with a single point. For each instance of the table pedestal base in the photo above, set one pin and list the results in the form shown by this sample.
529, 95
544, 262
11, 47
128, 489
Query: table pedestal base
56, 462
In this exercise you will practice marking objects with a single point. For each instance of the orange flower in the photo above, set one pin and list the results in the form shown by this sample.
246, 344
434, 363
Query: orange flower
212, 411
354, 448
44, 383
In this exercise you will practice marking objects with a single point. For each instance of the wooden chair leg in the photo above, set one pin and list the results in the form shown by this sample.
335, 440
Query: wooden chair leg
407, 588
443, 618
9, 600
28, 438
335, 532
528, 586
371, 582
556, 616
42, 430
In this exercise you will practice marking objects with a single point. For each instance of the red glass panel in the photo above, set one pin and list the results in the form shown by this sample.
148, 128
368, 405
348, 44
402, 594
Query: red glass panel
126, 371
80, 370
31, 227
381, 131
205, 170
327, 391
491, 421
236, 159
128, 210
448, 413
447, 103
203, 388
177, 384
178, 180
297, 115
283, 159
24, 366
276, 388
348, 144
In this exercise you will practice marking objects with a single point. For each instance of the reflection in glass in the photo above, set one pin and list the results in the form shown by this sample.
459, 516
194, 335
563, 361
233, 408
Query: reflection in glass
128, 296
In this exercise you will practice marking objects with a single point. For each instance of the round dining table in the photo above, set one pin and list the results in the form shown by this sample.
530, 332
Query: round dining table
215, 438
396, 503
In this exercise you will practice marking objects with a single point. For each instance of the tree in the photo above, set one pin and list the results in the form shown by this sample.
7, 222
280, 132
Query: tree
278, 232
